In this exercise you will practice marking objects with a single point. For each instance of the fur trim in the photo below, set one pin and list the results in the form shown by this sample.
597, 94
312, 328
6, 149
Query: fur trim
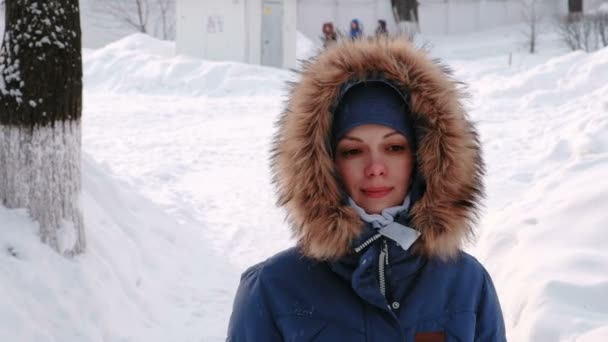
448, 154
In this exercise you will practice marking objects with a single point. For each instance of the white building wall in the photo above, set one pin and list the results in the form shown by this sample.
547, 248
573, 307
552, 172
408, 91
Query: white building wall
211, 29
231, 30
364, 10
498, 13
459, 16
591, 5
290, 23
254, 32
312, 14
253, 48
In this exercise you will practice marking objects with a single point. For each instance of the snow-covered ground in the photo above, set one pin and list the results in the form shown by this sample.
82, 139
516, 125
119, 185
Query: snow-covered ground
177, 196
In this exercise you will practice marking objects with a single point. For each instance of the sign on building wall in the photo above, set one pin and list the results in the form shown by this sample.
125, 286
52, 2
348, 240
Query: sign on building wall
252, 31
215, 24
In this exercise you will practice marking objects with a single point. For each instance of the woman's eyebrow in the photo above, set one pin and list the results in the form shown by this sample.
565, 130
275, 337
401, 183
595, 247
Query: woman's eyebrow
390, 134
352, 138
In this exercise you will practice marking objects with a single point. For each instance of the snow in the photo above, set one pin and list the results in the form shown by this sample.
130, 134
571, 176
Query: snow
177, 197
305, 47
144, 276
153, 71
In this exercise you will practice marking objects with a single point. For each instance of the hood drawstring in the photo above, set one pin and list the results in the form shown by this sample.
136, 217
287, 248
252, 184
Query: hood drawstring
386, 227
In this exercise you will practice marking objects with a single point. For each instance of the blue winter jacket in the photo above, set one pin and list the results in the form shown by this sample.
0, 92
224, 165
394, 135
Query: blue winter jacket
357, 32
291, 297
333, 286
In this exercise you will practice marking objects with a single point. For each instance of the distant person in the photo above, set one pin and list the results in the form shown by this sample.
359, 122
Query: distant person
355, 29
329, 35
381, 30
380, 171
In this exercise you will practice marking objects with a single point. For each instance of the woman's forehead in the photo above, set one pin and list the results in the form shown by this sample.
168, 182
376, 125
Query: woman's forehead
370, 131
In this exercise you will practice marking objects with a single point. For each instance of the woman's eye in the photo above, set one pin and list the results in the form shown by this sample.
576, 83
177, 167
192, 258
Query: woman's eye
350, 152
397, 148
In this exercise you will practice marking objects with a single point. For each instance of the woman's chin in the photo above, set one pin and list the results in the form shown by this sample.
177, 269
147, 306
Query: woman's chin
373, 208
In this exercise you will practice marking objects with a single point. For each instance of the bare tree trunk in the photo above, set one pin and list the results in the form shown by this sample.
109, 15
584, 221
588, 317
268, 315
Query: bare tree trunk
602, 28
533, 26
532, 17
407, 10
153, 17
575, 9
163, 17
405, 13
575, 6
142, 14
41, 106
130, 13
166, 9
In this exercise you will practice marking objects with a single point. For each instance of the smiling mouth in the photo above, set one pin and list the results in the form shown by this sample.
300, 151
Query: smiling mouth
376, 192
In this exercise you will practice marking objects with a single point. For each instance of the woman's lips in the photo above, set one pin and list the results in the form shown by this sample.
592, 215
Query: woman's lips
377, 192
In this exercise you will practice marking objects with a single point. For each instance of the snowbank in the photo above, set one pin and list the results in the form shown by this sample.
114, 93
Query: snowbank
543, 235
141, 64
144, 277
305, 47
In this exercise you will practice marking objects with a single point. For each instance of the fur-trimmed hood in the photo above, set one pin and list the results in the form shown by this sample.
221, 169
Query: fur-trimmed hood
448, 154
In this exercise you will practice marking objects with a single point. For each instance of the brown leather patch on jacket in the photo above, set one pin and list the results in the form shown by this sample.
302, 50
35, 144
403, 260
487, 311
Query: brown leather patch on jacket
430, 337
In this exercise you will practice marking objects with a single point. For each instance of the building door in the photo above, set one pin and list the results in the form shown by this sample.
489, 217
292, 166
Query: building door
272, 33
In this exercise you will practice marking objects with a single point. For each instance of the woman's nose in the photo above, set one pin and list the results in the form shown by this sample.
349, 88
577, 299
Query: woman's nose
375, 168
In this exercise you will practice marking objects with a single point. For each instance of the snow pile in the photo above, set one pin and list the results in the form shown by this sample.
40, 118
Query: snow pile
305, 47
544, 234
144, 277
141, 64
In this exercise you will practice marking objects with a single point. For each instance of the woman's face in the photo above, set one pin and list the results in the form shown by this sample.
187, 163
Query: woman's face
353, 25
375, 163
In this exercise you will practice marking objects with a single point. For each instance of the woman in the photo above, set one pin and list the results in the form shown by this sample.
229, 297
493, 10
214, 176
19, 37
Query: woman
355, 29
380, 172
329, 35
381, 30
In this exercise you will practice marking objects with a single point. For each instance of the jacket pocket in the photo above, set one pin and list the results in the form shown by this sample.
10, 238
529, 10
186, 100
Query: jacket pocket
451, 326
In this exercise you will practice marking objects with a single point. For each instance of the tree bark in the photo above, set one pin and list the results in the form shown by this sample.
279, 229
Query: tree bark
40, 114
407, 10
42, 64
575, 6
132, 14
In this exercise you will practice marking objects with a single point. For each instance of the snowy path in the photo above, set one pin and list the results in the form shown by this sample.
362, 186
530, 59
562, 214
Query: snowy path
204, 159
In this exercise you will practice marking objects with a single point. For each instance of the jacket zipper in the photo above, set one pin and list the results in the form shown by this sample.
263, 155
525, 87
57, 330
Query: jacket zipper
382, 260
382, 263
